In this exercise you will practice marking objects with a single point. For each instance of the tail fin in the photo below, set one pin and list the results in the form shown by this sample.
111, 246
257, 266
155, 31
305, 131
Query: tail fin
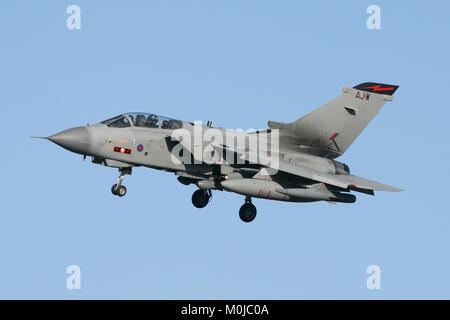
329, 130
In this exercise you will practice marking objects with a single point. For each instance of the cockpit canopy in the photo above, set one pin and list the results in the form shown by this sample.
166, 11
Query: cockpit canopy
142, 120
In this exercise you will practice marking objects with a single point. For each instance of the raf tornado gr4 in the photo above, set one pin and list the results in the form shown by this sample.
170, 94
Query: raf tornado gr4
288, 162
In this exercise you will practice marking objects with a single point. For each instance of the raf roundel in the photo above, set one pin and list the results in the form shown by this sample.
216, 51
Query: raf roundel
140, 148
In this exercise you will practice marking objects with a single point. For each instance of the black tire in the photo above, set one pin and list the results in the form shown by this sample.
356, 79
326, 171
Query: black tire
114, 189
247, 213
200, 199
121, 191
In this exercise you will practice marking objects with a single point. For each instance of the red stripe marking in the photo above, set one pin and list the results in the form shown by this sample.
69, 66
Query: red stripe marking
333, 136
379, 88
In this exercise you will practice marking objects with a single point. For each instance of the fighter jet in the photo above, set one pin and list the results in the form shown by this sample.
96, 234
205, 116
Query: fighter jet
293, 162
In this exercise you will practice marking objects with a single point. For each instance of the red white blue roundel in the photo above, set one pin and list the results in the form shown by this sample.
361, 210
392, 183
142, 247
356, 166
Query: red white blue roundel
140, 148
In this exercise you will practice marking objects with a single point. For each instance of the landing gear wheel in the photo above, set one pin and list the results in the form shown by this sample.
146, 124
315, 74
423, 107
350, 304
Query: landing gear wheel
121, 191
118, 189
247, 213
200, 198
114, 189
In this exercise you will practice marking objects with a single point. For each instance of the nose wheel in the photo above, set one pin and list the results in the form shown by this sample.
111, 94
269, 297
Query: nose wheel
118, 189
200, 198
247, 213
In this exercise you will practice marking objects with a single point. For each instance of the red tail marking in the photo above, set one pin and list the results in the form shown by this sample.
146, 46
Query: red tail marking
379, 88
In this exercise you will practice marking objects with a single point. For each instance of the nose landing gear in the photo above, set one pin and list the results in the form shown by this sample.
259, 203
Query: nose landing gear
118, 189
247, 213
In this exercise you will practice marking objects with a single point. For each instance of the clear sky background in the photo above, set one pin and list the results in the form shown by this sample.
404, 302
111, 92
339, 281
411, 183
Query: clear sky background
239, 64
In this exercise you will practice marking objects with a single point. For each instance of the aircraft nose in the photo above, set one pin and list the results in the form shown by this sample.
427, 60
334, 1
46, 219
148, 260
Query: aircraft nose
75, 139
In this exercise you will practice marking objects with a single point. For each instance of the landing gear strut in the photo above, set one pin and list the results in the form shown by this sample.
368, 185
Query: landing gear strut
200, 198
118, 189
247, 213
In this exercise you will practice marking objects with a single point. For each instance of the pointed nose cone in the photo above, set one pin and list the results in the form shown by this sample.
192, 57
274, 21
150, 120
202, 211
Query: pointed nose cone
75, 139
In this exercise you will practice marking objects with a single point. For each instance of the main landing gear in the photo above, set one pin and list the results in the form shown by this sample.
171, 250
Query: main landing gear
200, 198
118, 189
247, 213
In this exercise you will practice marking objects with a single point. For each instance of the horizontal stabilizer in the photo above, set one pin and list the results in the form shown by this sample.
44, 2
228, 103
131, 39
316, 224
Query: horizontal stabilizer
349, 182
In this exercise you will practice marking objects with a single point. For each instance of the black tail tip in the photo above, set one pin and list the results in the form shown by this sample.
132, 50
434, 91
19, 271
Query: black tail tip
374, 87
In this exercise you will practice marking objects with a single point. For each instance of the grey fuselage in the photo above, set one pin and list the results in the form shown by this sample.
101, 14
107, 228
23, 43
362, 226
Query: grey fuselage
126, 147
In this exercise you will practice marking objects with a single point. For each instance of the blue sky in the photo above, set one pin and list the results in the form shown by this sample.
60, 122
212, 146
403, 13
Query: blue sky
239, 64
